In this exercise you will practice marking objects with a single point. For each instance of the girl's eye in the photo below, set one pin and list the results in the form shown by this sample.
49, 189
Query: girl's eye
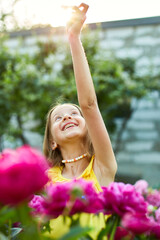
57, 118
74, 113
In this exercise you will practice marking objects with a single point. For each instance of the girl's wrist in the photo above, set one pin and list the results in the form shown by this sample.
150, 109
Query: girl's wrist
73, 37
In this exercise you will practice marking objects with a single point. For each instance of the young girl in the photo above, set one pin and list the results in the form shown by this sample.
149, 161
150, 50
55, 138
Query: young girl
76, 140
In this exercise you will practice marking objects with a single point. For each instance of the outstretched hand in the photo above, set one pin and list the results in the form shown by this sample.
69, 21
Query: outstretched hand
75, 24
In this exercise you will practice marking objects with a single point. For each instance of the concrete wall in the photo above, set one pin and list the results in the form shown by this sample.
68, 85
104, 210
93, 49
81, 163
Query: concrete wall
139, 39
139, 155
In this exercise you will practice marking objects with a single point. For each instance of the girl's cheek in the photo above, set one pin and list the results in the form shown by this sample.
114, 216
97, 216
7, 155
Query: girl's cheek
53, 130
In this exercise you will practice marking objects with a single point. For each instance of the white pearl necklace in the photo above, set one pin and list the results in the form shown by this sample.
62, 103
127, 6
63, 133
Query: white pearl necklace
74, 159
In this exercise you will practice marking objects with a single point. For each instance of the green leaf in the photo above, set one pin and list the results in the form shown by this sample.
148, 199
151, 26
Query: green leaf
3, 237
46, 227
102, 233
15, 231
110, 227
6, 213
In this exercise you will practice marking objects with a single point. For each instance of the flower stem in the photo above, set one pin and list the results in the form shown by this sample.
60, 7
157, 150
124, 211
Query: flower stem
114, 228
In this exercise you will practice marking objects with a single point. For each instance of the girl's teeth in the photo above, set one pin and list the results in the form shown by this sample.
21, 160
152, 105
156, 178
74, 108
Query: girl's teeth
69, 125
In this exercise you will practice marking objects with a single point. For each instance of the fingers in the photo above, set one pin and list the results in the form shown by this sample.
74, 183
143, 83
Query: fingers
78, 18
77, 9
76, 14
80, 11
84, 6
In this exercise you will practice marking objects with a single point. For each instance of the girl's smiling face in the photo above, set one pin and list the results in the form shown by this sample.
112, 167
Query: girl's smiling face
67, 123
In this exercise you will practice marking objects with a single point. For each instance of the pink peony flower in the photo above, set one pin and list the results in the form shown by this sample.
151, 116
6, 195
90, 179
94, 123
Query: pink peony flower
141, 186
88, 201
153, 198
68, 198
22, 173
55, 201
137, 223
157, 215
120, 198
37, 204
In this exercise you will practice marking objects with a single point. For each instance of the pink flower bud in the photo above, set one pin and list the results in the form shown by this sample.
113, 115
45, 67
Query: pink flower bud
141, 186
153, 198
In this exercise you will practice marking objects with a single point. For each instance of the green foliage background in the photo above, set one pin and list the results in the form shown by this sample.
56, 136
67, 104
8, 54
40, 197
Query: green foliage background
30, 84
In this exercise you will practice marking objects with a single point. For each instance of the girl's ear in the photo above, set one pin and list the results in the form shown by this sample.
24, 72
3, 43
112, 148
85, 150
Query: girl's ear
54, 145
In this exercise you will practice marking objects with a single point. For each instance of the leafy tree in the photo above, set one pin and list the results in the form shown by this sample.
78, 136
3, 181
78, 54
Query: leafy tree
7, 16
29, 85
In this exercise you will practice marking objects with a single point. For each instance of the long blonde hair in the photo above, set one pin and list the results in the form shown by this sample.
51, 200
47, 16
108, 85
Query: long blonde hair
54, 156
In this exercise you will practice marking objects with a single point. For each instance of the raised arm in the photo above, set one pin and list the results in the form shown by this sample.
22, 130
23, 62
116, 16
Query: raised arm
104, 164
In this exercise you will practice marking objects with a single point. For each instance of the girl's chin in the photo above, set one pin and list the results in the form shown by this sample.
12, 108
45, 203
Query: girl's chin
73, 135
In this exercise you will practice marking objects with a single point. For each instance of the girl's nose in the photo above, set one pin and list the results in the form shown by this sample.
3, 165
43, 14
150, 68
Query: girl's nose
66, 117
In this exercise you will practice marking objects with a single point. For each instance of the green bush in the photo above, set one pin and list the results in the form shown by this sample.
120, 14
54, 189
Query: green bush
29, 85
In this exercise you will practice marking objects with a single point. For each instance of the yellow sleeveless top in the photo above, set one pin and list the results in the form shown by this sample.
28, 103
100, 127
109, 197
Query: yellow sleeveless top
58, 228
